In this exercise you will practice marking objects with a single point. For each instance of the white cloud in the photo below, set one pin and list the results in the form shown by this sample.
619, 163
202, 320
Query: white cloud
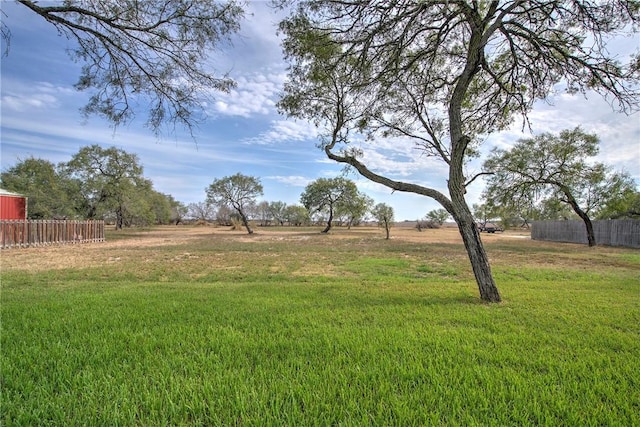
285, 131
256, 93
395, 157
293, 180
21, 98
26, 104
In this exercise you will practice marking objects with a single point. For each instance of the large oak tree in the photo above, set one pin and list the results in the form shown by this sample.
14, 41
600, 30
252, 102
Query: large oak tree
109, 181
443, 74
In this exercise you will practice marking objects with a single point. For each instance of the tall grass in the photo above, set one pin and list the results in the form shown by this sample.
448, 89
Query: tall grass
319, 330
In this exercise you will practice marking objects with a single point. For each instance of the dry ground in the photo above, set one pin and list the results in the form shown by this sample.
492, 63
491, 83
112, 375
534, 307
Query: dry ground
117, 246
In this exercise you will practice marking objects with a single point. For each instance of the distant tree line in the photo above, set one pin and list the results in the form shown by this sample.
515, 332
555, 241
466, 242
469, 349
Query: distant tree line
326, 201
108, 183
97, 183
548, 177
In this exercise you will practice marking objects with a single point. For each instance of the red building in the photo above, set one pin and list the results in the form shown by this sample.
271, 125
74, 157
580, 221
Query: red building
12, 205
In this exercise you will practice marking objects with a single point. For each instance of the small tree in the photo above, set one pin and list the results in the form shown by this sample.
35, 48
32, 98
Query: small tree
178, 210
278, 211
296, 215
327, 195
238, 191
201, 211
483, 212
225, 215
437, 216
554, 167
264, 213
383, 213
355, 209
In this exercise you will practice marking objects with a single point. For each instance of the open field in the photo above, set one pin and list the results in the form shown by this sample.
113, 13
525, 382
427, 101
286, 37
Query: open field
207, 326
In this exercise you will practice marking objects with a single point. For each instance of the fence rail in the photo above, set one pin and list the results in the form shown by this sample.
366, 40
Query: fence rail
622, 232
25, 233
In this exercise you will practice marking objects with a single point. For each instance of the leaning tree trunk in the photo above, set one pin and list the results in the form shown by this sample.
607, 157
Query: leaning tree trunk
475, 249
245, 221
457, 207
457, 186
478, 257
328, 227
591, 237
471, 238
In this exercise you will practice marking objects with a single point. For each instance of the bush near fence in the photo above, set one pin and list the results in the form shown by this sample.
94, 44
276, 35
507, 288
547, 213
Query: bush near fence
622, 232
25, 233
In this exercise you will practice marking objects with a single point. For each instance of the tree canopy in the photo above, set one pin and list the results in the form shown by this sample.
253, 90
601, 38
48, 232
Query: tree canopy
157, 51
383, 213
328, 196
625, 205
237, 191
437, 216
442, 75
109, 180
559, 167
354, 210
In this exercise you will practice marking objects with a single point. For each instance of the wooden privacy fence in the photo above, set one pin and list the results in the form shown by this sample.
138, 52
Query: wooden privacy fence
618, 232
24, 233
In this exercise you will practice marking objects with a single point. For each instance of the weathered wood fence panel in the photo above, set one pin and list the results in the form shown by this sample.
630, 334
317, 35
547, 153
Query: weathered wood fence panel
619, 232
24, 233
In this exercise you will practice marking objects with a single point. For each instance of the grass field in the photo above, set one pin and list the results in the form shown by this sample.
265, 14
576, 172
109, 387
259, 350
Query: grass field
203, 326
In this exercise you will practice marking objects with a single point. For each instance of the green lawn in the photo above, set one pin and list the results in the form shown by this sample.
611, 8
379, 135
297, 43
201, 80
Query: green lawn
321, 330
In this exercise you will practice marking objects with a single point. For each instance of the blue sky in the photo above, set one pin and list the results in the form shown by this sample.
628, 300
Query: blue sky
244, 133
